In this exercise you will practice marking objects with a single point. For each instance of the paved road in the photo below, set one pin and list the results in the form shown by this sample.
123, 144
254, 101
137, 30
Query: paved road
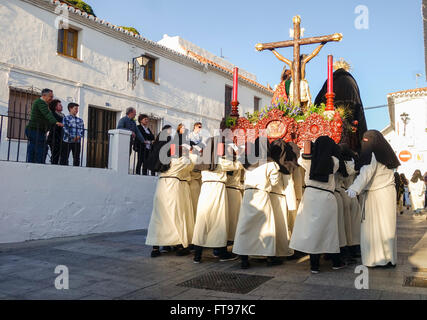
118, 266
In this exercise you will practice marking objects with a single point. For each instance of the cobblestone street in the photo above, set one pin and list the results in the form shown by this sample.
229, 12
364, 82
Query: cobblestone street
118, 266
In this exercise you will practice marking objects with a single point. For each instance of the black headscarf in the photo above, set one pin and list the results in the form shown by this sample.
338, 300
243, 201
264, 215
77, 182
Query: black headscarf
347, 153
153, 162
283, 154
257, 152
374, 142
417, 176
322, 164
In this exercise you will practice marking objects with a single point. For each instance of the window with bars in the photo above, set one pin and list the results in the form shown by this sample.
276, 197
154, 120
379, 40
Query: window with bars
150, 69
68, 42
228, 96
257, 102
19, 110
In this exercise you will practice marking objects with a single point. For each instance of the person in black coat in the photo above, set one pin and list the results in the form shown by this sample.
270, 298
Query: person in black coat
143, 149
54, 138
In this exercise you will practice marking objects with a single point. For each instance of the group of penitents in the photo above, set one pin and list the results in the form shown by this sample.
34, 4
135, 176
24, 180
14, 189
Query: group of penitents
323, 200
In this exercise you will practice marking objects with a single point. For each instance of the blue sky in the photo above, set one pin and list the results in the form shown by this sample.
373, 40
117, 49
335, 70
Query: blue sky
385, 57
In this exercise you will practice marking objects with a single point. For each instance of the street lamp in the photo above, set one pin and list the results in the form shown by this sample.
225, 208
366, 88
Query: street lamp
135, 67
416, 78
405, 119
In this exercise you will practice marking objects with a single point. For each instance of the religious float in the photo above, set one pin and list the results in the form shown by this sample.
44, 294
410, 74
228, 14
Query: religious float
294, 118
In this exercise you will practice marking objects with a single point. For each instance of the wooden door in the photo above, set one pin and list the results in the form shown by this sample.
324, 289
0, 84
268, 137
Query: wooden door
100, 121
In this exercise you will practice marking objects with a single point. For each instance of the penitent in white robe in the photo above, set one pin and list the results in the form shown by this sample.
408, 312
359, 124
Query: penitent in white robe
258, 229
316, 224
211, 228
417, 193
375, 185
353, 217
195, 186
342, 237
279, 195
297, 181
234, 188
172, 219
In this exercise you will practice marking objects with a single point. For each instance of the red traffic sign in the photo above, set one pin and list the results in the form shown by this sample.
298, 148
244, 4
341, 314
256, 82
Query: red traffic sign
405, 155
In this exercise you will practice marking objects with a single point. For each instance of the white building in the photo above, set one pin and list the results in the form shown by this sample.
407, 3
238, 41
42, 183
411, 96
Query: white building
407, 132
88, 63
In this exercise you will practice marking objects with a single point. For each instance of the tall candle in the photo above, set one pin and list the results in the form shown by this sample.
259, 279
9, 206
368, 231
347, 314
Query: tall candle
173, 150
220, 150
330, 74
235, 83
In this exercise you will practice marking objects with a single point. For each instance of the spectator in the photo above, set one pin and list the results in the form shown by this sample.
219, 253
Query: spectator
194, 136
400, 190
73, 133
144, 149
55, 136
417, 189
183, 135
128, 123
406, 201
40, 121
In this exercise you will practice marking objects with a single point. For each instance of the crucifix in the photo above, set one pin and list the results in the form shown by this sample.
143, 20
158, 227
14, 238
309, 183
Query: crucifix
298, 64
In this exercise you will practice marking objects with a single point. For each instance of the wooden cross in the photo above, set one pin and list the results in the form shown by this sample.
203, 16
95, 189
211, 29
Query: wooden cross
297, 42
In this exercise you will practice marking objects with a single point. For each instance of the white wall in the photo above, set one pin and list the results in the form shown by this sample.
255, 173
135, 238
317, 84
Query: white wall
40, 201
415, 140
183, 92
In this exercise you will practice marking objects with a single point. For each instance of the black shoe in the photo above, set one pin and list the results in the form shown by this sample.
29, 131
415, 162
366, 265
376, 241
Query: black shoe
315, 270
350, 260
166, 249
293, 257
273, 261
155, 253
183, 252
216, 253
228, 257
387, 266
339, 266
197, 259
244, 264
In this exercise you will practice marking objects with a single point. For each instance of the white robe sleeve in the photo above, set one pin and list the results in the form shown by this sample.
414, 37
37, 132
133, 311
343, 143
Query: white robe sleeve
349, 165
365, 176
305, 163
273, 173
291, 198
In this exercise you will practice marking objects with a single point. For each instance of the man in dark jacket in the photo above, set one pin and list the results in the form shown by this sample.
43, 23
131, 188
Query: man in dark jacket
40, 121
144, 149
128, 123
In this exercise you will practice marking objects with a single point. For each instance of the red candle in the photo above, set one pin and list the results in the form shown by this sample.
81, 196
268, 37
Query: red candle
330, 74
220, 151
235, 83
173, 150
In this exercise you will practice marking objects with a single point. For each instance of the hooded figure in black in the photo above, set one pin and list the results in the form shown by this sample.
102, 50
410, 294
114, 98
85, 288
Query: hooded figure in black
154, 163
374, 142
347, 94
284, 155
322, 164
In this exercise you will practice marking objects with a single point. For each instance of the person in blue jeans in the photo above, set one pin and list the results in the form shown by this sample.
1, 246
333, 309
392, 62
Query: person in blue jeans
41, 119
